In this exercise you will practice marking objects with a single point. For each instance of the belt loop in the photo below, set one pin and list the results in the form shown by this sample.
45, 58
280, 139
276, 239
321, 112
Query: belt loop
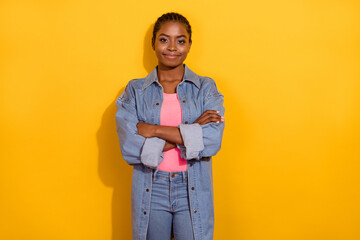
154, 174
183, 173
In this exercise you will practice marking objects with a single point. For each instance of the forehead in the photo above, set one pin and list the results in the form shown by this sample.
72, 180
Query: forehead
173, 28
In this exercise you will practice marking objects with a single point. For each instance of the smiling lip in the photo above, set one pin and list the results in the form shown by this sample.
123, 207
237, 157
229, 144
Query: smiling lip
171, 56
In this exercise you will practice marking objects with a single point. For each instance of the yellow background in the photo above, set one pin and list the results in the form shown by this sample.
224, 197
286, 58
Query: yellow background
290, 73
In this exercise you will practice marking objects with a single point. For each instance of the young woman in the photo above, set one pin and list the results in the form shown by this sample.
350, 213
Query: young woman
169, 125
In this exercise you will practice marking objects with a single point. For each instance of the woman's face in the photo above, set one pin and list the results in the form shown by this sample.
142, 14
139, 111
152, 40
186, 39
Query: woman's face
172, 44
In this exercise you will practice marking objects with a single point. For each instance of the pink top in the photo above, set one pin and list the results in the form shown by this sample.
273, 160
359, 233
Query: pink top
171, 115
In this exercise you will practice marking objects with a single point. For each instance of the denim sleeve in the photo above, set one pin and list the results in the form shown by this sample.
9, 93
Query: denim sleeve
201, 141
152, 152
192, 136
131, 143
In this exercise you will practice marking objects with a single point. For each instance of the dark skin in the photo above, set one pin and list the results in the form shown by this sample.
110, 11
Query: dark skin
171, 47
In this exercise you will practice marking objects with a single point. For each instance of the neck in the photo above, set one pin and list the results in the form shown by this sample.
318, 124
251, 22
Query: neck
170, 74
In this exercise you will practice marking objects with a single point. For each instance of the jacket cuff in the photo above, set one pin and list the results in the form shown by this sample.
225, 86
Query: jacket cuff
152, 152
192, 136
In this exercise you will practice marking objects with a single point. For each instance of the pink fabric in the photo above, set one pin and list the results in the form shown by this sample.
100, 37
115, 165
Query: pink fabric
171, 116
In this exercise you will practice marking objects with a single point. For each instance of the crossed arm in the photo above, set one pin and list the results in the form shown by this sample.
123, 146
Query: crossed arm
172, 135
143, 143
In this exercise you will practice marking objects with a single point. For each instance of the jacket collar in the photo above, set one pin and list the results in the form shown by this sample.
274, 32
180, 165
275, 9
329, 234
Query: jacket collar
189, 76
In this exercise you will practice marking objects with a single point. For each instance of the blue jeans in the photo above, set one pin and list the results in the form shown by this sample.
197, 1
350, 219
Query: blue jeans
169, 209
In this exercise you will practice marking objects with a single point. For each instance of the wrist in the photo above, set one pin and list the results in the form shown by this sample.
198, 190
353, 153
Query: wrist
155, 132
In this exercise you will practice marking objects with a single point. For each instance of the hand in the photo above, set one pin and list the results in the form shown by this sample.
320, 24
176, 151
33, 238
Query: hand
146, 130
209, 116
169, 145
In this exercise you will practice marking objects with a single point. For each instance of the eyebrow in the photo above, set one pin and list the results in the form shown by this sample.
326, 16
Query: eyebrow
163, 34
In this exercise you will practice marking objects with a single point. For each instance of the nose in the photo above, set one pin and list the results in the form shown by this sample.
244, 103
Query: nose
172, 46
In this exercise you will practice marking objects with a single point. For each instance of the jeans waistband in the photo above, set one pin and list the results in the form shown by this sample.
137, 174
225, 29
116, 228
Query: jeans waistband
171, 176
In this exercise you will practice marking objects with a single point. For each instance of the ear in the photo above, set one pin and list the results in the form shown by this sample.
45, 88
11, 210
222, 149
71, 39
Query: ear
190, 45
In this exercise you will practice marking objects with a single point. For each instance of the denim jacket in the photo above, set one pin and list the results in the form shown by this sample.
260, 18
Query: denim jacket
141, 102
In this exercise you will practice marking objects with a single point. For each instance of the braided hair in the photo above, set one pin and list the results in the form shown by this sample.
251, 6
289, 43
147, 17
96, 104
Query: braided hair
168, 17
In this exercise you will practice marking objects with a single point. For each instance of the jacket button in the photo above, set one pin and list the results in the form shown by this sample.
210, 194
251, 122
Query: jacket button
157, 104
186, 122
184, 101
147, 190
195, 211
173, 175
144, 213
190, 164
192, 188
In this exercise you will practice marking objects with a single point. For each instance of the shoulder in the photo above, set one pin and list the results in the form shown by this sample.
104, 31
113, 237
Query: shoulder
130, 90
206, 81
208, 85
136, 83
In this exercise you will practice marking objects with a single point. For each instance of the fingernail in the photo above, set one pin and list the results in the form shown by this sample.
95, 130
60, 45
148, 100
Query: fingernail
217, 122
217, 111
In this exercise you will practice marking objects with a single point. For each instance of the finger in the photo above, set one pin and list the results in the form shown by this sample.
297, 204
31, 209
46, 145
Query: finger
213, 118
201, 120
211, 111
207, 114
207, 117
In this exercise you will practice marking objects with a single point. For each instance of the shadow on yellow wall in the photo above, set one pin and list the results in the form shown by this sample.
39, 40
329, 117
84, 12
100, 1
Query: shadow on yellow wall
113, 170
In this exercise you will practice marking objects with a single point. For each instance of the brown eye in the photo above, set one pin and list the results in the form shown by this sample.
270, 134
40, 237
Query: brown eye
181, 41
162, 39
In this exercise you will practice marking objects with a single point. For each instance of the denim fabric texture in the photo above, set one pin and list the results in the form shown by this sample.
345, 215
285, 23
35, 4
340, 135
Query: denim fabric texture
152, 152
141, 102
169, 207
